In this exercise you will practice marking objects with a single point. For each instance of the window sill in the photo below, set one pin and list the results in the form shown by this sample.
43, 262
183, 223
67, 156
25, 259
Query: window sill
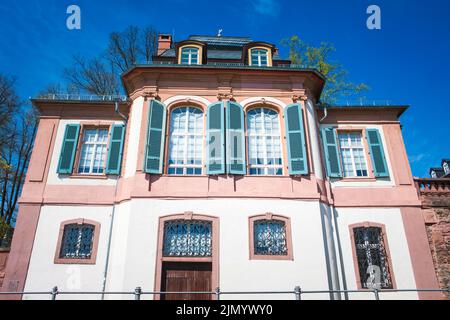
360, 179
74, 261
269, 257
88, 176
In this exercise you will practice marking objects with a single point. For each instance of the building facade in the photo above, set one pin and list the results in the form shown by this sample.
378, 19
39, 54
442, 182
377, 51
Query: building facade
219, 169
435, 196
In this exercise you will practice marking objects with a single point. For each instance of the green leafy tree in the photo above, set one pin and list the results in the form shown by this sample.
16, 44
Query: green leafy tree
337, 86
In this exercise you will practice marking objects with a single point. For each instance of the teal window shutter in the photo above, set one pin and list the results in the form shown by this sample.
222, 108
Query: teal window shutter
235, 139
332, 160
215, 139
115, 152
379, 164
69, 148
296, 142
154, 151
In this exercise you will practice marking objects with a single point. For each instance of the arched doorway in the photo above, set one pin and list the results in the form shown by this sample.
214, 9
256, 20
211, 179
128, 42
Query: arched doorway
187, 257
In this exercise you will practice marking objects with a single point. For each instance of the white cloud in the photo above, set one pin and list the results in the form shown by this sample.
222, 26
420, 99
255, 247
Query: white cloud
266, 7
418, 157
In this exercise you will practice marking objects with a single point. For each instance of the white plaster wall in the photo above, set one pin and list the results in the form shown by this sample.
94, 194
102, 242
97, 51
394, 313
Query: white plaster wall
44, 274
398, 247
56, 179
134, 264
133, 140
381, 182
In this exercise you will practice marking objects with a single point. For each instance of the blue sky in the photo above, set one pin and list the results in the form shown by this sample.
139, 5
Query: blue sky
406, 62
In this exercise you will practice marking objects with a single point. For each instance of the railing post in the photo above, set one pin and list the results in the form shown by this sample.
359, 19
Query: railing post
298, 293
137, 293
217, 292
375, 291
54, 292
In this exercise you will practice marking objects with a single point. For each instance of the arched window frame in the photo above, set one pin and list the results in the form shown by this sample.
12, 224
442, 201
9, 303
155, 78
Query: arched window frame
270, 216
282, 129
95, 240
170, 108
213, 259
368, 224
269, 56
190, 46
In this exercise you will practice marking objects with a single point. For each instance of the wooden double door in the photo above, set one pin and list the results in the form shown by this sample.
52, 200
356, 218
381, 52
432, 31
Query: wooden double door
186, 276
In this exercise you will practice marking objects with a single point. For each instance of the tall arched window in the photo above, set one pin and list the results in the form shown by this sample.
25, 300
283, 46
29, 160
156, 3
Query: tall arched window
186, 141
264, 142
189, 55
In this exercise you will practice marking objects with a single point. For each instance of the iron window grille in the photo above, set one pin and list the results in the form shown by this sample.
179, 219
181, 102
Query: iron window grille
270, 237
77, 242
372, 258
187, 238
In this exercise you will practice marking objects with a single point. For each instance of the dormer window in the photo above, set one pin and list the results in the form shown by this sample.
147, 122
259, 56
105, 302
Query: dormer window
189, 55
446, 168
433, 174
259, 57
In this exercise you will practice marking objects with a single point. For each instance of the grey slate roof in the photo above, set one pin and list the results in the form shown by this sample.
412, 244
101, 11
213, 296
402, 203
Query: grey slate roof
227, 48
223, 41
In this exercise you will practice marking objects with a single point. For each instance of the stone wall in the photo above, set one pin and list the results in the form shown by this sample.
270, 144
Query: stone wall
3, 258
435, 198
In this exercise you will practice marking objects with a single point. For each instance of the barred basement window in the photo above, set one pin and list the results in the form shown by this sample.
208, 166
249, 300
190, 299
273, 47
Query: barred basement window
187, 238
372, 257
270, 237
77, 242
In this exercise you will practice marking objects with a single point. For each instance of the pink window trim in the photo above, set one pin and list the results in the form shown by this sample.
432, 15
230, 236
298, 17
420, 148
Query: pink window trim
270, 216
214, 259
368, 224
95, 239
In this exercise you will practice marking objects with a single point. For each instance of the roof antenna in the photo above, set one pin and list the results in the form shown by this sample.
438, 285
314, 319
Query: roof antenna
219, 34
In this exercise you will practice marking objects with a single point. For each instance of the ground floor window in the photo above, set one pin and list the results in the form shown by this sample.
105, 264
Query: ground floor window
77, 242
373, 261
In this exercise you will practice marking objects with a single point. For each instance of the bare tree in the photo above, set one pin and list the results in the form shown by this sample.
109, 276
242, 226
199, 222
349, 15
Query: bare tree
15, 154
9, 102
131, 46
101, 75
92, 76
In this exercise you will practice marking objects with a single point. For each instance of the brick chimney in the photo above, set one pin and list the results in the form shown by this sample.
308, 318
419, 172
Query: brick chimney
164, 43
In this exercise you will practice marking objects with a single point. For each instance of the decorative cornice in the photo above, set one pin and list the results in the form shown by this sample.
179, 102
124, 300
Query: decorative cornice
228, 96
296, 98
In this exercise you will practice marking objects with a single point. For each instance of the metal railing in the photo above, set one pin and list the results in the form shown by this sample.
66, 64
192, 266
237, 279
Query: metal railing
222, 65
297, 293
81, 97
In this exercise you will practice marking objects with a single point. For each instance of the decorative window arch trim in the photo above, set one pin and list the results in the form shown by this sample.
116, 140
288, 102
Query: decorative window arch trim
261, 100
213, 259
368, 224
270, 216
95, 239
